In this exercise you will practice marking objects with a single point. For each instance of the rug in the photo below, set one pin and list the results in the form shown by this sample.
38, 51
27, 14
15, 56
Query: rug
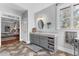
34, 47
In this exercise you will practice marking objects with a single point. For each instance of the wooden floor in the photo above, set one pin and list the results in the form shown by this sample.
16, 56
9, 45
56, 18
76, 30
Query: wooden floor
11, 41
22, 49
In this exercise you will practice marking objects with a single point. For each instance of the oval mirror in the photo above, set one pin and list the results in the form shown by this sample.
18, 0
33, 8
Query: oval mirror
40, 24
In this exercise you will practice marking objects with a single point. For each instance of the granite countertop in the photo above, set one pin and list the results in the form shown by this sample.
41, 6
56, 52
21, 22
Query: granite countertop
44, 34
5, 35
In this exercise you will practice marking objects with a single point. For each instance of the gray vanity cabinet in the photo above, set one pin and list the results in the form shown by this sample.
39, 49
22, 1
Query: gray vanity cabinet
51, 43
44, 41
34, 38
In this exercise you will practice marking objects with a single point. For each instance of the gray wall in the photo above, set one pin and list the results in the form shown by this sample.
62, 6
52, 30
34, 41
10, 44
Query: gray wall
50, 13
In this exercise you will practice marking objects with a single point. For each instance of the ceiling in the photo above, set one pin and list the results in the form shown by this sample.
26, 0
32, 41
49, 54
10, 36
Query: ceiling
34, 7
23, 7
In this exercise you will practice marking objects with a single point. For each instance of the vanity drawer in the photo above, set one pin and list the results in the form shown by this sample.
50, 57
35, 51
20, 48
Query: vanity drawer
44, 44
51, 49
52, 44
50, 41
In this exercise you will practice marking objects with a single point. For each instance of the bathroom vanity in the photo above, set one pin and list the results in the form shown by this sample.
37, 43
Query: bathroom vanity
45, 40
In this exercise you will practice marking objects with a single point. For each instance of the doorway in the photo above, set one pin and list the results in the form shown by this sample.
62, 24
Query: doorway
10, 31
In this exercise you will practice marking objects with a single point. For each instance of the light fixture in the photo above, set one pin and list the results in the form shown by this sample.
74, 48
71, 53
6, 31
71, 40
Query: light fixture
42, 17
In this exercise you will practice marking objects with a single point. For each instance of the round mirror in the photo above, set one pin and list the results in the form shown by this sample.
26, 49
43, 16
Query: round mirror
40, 24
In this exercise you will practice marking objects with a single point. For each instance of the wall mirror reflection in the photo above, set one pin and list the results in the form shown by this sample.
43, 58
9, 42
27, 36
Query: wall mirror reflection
40, 24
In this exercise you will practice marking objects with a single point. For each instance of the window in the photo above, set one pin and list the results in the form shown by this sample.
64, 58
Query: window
76, 16
65, 14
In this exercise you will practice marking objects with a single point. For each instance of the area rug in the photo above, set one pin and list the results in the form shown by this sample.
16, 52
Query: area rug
34, 47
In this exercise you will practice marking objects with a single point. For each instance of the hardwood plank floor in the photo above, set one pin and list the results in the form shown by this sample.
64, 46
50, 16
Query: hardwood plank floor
21, 49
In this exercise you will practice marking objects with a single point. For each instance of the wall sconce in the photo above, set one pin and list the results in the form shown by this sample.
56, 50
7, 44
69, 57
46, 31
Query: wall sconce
48, 24
42, 17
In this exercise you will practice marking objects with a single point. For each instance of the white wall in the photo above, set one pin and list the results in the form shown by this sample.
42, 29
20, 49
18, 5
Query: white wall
24, 27
0, 29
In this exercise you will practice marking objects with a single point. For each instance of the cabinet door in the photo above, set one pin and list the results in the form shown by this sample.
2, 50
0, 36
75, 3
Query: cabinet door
44, 41
32, 38
36, 39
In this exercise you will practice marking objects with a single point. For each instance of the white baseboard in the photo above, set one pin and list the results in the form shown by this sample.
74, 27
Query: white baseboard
66, 50
28, 42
